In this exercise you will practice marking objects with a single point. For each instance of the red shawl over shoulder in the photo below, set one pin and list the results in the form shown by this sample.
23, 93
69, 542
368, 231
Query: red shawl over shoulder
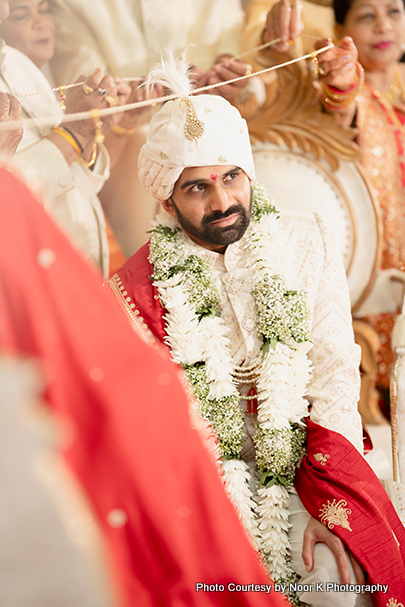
334, 482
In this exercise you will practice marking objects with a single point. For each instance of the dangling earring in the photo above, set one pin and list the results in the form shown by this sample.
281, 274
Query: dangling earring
62, 97
315, 64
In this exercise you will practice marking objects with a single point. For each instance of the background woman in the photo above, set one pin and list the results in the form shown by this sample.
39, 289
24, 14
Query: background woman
74, 168
376, 30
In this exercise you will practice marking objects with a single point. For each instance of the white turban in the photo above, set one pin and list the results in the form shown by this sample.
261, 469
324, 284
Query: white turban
167, 151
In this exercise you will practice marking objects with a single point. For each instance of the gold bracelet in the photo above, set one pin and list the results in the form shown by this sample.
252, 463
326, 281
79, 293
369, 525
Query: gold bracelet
68, 137
93, 158
337, 105
95, 114
339, 96
336, 102
119, 131
343, 98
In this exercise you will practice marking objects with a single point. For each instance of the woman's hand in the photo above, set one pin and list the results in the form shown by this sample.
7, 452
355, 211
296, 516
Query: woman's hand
337, 67
10, 137
284, 21
98, 92
225, 68
137, 93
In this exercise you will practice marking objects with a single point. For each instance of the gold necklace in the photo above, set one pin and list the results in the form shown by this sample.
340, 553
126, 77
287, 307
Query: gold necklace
396, 88
388, 106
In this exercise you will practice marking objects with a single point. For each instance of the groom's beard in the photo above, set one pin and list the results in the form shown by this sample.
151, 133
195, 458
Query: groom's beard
217, 235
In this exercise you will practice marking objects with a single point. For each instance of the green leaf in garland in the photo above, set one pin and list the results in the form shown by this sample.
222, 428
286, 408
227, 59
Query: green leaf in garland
210, 311
262, 204
265, 346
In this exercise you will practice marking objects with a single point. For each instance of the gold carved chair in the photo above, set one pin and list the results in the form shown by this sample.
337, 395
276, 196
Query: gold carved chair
308, 163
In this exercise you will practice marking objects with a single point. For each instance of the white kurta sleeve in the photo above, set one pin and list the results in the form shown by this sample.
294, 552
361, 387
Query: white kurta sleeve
69, 193
45, 162
335, 386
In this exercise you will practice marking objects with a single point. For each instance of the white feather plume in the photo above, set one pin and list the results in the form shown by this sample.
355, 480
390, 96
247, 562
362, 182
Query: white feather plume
174, 73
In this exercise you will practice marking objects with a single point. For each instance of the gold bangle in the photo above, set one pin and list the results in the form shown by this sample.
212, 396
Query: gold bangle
339, 101
68, 137
95, 114
334, 105
93, 158
119, 131
340, 97
336, 101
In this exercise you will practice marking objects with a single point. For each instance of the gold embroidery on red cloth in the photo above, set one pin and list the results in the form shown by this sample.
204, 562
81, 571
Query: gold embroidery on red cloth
394, 603
116, 288
320, 457
335, 513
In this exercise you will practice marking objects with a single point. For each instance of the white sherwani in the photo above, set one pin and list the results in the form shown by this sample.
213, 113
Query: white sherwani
308, 258
68, 192
334, 388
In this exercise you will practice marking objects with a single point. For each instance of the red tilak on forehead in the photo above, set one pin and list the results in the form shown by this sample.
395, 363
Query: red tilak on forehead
213, 176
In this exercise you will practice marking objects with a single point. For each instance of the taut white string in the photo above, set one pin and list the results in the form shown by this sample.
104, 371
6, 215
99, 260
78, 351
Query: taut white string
75, 117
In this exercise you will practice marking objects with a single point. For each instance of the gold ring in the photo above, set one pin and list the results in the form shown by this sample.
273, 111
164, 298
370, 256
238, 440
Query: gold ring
248, 73
110, 100
87, 89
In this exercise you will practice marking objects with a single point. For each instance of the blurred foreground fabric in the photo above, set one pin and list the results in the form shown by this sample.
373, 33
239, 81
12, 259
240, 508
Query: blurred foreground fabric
123, 422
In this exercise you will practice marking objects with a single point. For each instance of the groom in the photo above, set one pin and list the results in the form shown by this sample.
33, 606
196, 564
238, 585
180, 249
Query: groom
253, 304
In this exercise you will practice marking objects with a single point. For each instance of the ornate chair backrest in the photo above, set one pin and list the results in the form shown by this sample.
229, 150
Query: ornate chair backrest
396, 488
308, 163
397, 397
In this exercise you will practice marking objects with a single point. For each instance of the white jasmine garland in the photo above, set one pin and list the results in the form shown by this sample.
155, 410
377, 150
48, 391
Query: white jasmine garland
218, 367
199, 341
236, 475
274, 527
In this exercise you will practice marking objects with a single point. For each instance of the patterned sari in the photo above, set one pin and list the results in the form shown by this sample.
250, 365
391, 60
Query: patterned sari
382, 139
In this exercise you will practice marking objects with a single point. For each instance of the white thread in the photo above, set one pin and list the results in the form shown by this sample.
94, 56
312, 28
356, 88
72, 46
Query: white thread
51, 120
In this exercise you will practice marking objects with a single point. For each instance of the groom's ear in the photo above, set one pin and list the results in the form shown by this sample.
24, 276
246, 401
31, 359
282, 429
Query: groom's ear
168, 206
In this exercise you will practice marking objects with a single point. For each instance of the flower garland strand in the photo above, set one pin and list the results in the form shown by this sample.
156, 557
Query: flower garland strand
199, 341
